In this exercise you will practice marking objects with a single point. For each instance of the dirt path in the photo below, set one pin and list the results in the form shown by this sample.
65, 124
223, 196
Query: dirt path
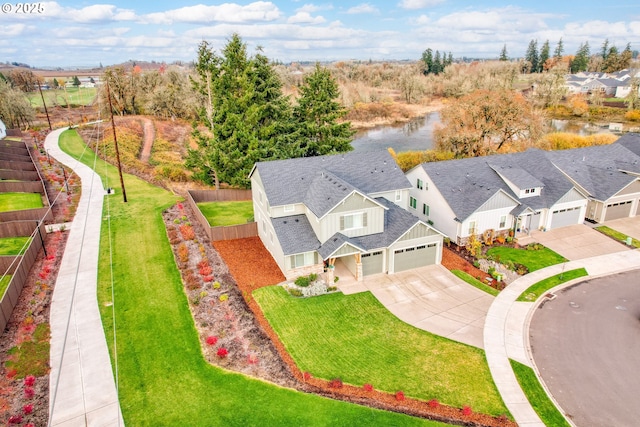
149, 137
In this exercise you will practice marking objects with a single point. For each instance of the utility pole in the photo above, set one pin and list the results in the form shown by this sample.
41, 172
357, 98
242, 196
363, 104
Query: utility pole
115, 139
45, 105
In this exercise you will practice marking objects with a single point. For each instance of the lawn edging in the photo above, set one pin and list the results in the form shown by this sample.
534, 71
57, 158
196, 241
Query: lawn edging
475, 282
541, 287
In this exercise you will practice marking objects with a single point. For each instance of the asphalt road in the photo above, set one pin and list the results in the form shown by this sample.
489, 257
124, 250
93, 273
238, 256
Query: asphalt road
586, 345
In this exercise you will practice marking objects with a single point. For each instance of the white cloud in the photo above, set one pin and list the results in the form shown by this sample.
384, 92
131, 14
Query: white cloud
419, 4
363, 8
13, 30
226, 12
305, 18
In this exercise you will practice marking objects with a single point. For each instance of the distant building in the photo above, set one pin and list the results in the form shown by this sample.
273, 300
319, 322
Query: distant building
3, 130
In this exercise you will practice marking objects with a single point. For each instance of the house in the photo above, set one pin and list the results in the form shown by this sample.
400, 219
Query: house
608, 174
494, 194
3, 130
349, 208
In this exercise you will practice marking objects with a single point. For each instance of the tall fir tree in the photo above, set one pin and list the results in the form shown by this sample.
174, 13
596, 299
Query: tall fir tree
545, 51
532, 55
503, 54
580, 61
427, 59
316, 116
559, 51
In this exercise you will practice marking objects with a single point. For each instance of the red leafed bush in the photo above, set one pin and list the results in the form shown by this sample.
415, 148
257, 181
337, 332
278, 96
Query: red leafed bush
29, 392
466, 411
252, 359
211, 340
27, 409
187, 232
433, 403
15, 419
367, 387
205, 271
336, 383
222, 352
208, 279
29, 380
399, 396
307, 376
11, 373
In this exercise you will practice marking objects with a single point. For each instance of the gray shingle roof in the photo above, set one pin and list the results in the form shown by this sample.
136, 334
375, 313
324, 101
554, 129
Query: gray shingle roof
596, 169
397, 221
630, 141
325, 191
334, 242
467, 184
289, 181
295, 234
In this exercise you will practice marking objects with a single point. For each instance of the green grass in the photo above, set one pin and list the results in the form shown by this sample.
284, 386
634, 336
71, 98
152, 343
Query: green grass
532, 259
621, 237
534, 291
76, 96
4, 283
544, 407
13, 245
163, 377
357, 339
19, 201
475, 282
227, 213
31, 357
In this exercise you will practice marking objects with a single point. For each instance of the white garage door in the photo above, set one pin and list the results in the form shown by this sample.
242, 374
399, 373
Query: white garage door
418, 256
564, 217
618, 210
371, 263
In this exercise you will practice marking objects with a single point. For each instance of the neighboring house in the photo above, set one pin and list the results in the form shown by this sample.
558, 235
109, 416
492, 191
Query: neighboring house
520, 192
3, 130
609, 174
313, 212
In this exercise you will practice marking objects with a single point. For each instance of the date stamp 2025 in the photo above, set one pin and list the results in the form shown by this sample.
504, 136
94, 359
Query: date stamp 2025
22, 8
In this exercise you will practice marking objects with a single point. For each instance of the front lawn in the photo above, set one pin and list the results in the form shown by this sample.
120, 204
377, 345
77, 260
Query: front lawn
227, 213
475, 282
13, 245
534, 291
4, 283
357, 339
533, 259
163, 377
544, 407
620, 237
19, 201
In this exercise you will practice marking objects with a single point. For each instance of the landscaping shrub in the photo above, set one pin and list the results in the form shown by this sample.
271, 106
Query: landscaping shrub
211, 340
367, 387
433, 403
306, 376
633, 116
222, 352
466, 411
313, 277
400, 396
336, 383
295, 292
302, 281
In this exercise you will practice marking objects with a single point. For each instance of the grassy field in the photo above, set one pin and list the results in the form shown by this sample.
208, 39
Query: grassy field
355, 338
475, 282
227, 213
163, 377
537, 289
536, 395
617, 235
76, 96
19, 201
532, 259
13, 245
4, 283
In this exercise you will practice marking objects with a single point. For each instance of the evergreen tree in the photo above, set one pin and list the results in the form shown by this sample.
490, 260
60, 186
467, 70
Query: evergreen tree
559, 51
544, 56
56, 83
437, 63
316, 116
503, 54
247, 116
532, 55
604, 50
581, 60
450, 59
612, 62
427, 59
76, 81
625, 57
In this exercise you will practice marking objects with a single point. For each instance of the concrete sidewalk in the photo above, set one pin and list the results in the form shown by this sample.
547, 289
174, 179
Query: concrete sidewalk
506, 327
82, 386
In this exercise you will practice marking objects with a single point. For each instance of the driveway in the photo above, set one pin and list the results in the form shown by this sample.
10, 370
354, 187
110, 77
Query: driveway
430, 298
628, 226
576, 242
585, 345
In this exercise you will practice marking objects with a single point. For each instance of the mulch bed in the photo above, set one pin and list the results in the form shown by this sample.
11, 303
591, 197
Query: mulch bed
454, 261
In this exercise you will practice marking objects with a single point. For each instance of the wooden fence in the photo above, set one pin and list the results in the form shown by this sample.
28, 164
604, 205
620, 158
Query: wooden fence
20, 272
16, 150
14, 175
231, 232
22, 187
20, 166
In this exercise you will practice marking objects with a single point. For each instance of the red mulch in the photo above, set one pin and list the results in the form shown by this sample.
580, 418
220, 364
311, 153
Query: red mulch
249, 263
253, 267
452, 261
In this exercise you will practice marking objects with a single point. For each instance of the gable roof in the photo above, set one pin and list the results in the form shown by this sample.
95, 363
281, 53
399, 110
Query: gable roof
518, 176
597, 168
295, 234
630, 141
298, 180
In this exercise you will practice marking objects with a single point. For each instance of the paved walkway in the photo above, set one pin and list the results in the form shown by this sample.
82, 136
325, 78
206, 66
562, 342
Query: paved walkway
82, 386
506, 327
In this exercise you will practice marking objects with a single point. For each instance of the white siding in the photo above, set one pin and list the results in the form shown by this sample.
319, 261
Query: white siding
330, 224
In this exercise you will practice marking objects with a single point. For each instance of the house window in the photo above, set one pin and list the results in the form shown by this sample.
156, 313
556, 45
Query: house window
419, 184
398, 195
472, 227
527, 191
503, 221
302, 260
289, 208
426, 186
353, 221
425, 209
413, 202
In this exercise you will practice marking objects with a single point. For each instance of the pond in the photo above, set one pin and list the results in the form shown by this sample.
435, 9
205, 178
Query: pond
417, 135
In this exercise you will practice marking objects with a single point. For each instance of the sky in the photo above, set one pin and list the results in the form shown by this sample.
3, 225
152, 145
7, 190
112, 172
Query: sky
87, 34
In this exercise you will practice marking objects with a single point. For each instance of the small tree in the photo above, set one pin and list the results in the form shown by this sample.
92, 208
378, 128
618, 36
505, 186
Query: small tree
503, 54
76, 81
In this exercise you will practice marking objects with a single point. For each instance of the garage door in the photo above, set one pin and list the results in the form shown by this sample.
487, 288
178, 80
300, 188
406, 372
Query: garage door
371, 263
564, 217
618, 210
418, 256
